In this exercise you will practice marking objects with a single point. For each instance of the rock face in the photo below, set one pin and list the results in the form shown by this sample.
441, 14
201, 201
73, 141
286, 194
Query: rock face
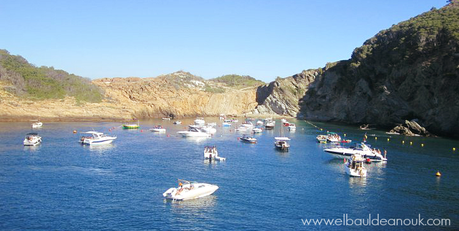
281, 97
179, 95
411, 128
410, 71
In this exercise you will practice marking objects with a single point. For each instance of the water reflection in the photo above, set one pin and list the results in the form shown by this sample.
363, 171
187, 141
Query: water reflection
192, 206
357, 181
195, 139
101, 148
32, 148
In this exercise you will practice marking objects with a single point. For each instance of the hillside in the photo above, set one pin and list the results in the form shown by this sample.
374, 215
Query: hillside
238, 81
409, 71
28, 81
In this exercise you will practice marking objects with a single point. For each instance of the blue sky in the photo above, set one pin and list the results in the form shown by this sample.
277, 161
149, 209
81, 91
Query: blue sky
209, 38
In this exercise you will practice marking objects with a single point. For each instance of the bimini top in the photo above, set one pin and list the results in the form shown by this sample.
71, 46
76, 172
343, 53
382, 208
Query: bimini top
281, 138
32, 134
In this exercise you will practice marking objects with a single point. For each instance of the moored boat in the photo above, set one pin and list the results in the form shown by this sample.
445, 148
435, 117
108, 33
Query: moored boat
190, 190
354, 166
32, 139
248, 139
194, 132
281, 143
178, 122
359, 149
37, 124
96, 138
211, 153
158, 128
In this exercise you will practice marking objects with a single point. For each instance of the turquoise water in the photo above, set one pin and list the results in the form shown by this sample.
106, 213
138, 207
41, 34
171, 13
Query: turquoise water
61, 185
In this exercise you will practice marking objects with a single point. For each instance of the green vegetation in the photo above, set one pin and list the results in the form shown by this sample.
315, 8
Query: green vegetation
45, 82
214, 89
238, 81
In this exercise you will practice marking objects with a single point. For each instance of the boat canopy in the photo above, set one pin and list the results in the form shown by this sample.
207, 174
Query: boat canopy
281, 138
32, 134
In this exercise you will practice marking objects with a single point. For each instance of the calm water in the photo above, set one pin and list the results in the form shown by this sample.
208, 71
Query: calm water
61, 185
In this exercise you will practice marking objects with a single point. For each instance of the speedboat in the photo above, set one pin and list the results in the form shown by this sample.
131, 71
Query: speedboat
257, 130
270, 125
199, 121
158, 128
248, 139
189, 190
194, 132
96, 138
32, 139
260, 123
166, 118
354, 166
178, 122
281, 143
209, 129
360, 149
392, 133
291, 127
322, 138
247, 124
37, 124
333, 137
211, 153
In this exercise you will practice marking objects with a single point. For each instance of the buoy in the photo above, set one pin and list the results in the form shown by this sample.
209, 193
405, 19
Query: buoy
388, 139
411, 142
403, 142
422, 145
376, 138
321, 129
74, 131
168, 135
344, 134
454, 149
141, 130
368, 160
438, 174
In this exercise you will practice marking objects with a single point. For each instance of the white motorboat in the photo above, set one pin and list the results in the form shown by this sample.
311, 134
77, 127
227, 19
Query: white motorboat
333, 137
248, 139
322, 138
360, 149
194, 132
37, 124
158, 128
243, 129
32, 139
270, 125
260, 123
291, 127
354, 166
96, 138
257, 130
209, 129
178, 122
189, 190
281, 143
392, 133
247, 124
211, 153
234, 120
167, 118
199, 121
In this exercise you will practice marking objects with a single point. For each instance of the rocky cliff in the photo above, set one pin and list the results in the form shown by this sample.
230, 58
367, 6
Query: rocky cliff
178, 94
410, 71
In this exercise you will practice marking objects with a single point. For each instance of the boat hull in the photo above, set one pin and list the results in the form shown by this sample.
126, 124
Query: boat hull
184, 193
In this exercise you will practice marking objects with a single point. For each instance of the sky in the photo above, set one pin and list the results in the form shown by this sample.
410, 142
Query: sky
209, 38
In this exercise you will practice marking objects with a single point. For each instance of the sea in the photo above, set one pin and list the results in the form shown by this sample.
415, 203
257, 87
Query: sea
63, 185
